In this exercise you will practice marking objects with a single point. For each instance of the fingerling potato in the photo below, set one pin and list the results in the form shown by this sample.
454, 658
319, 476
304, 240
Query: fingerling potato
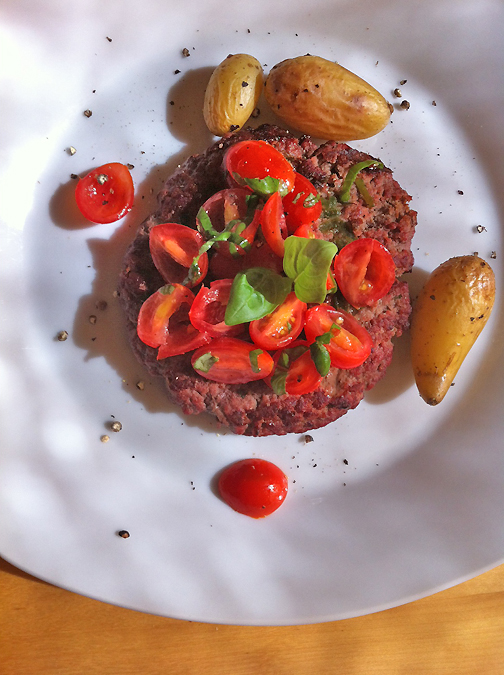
321, 98
232, 93
448, 316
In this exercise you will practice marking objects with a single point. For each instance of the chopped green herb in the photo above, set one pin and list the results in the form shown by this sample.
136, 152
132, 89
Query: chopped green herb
231, 233
278, 381
263, 187
204, 222
353, 172
253, 356
361, 187
205, 362
311, 200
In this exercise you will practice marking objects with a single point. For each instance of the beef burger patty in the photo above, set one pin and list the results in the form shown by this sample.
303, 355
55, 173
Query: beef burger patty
253, 409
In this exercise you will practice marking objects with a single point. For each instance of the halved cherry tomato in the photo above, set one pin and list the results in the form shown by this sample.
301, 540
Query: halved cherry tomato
163, 322
306, 231
173, 248
208, 309
282, 326
273, 224
350, 343
302, 204
232, 361
106, 193
364, 271
225, 206
294, 371
258, 159
254, 487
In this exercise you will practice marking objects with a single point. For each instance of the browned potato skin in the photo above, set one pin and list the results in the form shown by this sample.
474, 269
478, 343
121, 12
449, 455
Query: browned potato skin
232, 93
323, 99
450, 313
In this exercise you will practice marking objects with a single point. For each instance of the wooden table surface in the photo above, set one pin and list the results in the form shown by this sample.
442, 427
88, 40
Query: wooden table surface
45, 630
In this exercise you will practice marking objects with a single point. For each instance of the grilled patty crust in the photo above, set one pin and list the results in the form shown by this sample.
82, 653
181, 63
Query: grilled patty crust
253, 409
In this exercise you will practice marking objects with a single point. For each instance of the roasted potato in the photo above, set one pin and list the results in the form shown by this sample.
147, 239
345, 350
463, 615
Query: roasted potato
449, 314
321, 98
232, 93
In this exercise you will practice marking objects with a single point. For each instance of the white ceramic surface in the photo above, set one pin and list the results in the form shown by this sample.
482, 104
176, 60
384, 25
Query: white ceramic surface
419, 505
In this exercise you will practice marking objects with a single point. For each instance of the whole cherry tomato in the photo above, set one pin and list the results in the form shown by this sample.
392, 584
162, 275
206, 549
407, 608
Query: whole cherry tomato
282, 326
251, 160
294, 371
302, 204
208, 309
173, 248
253, 487
364, 271
273, 224
348, 342
232, 361
163, 321
106, 193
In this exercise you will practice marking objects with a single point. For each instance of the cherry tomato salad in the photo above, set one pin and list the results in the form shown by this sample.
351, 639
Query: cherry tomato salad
266, 313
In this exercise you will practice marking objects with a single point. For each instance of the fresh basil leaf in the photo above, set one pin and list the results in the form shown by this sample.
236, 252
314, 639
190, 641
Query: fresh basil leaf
253, 356
307, 263
205, 362
320, 357
352, 173
255, 293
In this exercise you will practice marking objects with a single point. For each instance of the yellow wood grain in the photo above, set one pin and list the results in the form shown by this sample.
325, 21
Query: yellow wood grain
45, 630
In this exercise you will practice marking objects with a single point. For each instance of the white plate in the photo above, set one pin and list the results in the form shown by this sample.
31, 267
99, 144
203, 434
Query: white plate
419, 505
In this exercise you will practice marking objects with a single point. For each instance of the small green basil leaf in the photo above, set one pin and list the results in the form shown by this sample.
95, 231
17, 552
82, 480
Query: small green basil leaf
205, 362
254, 363
325, 338
320, 357
307, 263
278, 381
255, 293
353, 171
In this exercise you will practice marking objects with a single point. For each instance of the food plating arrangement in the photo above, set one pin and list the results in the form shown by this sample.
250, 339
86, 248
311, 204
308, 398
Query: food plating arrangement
267, 287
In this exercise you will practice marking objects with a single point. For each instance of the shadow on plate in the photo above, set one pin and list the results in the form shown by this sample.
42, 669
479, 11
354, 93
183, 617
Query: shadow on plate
399, 376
